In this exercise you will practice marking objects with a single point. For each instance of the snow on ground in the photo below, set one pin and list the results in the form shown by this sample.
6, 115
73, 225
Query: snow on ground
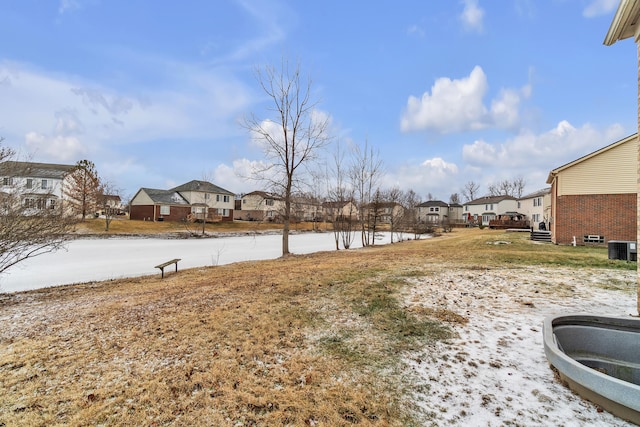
493, 373
496, 373
86, 260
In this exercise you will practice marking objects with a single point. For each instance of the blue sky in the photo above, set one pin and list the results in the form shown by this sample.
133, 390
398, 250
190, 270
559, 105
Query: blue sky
447, 91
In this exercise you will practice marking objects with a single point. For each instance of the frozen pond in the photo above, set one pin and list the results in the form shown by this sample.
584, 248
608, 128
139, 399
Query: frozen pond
86, 260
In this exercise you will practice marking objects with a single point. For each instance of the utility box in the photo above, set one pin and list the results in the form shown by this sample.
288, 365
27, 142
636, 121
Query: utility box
622, 249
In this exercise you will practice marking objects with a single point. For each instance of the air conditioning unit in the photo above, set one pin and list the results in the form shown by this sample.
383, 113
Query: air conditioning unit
622, 249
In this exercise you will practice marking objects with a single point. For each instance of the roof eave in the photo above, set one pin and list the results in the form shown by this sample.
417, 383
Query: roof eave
625, 22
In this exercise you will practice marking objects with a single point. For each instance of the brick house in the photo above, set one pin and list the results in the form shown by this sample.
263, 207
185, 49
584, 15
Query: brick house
594, 197
192, 200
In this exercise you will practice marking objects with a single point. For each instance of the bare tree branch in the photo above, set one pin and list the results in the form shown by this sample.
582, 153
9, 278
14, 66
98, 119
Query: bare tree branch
291, 139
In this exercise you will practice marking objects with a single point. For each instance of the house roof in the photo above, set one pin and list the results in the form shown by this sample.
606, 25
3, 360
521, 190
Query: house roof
625, 22
555, 172
335, 205
538, 193
168, 197
202, 186
36, 170
490, 199
264, 195
431, 203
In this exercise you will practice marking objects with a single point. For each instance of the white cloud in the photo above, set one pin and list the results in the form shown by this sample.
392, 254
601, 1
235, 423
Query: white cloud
472, 16
67, 5
416, 31
529, 151
438, 167
267, 134
59, 148
599, 7
457, 105
433, 176
239, 176
195, 103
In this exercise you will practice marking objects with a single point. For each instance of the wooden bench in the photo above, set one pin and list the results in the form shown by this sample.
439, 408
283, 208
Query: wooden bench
164, 264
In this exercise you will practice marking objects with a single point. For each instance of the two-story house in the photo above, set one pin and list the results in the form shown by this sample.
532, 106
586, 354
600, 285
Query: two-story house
485, 209
439, 212
193, 200
594, 198
536, 207
260, 206
38, 185
340, 210
433, 211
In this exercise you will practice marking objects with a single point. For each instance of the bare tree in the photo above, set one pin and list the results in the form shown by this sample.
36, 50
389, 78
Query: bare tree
411, 220
366, 171
397, 211
470, 191
513, 188
518, 186
30, 224
340, 193
83, 189
292, 138
108, 200
454, 199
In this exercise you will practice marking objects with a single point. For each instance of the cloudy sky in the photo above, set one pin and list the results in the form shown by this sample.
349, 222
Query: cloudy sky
153, 92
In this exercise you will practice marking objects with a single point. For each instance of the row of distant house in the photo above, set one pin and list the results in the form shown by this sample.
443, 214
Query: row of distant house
590, 200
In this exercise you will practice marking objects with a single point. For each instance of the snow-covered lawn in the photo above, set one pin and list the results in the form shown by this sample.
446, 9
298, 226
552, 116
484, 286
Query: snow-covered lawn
496, 373
86, 260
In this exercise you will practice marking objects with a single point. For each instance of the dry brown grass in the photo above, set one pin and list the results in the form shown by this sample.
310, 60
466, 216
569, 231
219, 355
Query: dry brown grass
303, 340
122, 225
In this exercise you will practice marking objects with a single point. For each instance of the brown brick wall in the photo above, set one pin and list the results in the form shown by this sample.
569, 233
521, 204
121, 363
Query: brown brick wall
177, 213
141, 212
610, 215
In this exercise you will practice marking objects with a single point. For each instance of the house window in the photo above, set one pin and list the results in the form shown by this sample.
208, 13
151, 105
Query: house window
466, 208
244, 201
207, 196
29, 182
226, 198
7, 181
44, 184
519, 206
52, 203
165, 210
268, 202
223, 212
29, 203
217, 197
